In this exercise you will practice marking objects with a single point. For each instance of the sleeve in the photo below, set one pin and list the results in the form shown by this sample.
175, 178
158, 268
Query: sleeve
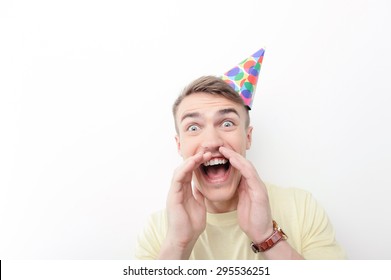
317, 233
150, 239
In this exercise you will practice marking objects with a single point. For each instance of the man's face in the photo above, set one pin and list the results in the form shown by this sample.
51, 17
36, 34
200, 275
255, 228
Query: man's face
205, 123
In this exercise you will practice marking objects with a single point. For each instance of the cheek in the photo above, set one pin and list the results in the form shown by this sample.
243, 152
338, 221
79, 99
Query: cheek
188, 147
238, 142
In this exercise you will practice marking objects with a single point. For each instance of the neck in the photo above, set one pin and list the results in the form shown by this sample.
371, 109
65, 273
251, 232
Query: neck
216, 207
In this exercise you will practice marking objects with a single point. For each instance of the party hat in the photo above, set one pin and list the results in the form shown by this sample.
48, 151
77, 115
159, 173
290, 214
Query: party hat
243, 78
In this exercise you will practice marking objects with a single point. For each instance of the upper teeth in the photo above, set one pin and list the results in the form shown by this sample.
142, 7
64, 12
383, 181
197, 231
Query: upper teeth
215, 161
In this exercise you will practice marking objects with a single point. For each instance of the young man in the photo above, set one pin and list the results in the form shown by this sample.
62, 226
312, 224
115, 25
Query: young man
217, 206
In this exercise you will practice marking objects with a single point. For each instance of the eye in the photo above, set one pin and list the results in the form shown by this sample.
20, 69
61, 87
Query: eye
227, 124
193, 128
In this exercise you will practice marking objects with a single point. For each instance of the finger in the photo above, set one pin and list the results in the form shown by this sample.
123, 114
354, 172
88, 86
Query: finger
239, 162
245, 167
184, 172
181, 189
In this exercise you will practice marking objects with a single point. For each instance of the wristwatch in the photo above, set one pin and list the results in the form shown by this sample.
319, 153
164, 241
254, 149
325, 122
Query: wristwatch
276, 236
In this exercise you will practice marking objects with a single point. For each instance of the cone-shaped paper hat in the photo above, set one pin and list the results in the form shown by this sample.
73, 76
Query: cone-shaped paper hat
243, 78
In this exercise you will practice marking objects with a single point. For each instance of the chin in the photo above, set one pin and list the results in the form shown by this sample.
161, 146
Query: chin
218, 193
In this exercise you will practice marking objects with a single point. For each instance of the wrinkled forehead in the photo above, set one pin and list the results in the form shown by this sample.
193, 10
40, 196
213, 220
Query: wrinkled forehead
207, 105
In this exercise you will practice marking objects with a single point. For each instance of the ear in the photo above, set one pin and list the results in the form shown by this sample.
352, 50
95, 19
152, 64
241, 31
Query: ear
249, 137
178, 144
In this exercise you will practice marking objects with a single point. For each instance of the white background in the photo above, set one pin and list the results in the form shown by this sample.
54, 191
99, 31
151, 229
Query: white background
86, 134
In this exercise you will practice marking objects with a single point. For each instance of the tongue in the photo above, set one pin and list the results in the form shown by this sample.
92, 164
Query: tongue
215, 172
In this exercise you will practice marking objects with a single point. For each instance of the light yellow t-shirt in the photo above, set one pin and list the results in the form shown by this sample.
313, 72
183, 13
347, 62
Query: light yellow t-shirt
296, 211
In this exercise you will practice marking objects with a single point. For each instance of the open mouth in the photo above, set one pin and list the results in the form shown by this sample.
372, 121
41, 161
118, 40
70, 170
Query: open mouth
216, 169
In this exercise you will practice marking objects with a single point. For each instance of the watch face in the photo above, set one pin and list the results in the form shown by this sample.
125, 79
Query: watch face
284, 236
277, 227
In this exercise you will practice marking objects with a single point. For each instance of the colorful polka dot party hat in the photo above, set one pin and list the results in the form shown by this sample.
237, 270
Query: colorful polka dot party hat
243, 78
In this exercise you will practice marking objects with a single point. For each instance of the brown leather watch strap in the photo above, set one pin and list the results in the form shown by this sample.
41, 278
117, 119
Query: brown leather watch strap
276, 236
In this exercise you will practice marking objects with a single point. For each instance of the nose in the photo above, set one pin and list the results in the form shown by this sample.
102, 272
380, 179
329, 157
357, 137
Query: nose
212, 140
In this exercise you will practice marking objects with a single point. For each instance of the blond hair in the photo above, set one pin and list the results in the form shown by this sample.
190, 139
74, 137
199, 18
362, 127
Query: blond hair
214, 86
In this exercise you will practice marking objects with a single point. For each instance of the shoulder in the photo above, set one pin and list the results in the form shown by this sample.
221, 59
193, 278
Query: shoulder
292, 204
158, 219
151, 237
287, 195
305, 222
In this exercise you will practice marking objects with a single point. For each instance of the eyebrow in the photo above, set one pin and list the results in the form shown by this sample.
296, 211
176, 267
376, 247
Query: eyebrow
228, 111
221, 112
190, 115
